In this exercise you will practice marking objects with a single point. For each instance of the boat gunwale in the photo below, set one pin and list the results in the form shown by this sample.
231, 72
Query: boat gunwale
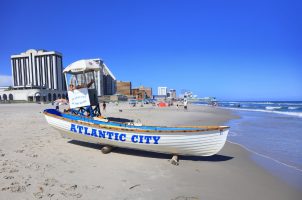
201, 128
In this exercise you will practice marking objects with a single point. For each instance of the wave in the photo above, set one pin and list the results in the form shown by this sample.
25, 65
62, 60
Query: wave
273, 107
296, 114
263, 103
293, 108
245, 102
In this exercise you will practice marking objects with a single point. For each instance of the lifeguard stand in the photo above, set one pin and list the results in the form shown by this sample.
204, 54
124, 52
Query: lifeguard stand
82, 93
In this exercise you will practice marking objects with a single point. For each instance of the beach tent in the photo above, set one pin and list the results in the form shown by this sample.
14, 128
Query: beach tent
162, 104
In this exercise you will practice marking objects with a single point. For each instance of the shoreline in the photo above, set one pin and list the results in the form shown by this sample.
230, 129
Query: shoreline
37, 155
286, 170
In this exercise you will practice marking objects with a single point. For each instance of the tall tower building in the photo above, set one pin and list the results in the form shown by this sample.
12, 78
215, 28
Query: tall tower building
38, 69
172, 94
162, 91
105, 80
37, 75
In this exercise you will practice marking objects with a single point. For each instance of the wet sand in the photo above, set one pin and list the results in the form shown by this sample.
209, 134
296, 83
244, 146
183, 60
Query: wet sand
37, 163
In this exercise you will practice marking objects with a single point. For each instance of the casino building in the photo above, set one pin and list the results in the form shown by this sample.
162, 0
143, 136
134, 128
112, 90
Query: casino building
36, 76
105, 80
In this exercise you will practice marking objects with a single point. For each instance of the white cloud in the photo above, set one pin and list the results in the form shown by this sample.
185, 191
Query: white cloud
5, 80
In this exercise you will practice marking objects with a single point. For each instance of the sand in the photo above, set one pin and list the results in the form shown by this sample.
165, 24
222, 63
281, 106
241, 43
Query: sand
37, 163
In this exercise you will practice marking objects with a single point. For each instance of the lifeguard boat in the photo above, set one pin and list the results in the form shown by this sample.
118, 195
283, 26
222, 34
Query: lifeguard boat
83, 122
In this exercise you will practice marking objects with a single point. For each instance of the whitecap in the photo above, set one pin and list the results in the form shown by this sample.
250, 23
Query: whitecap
296, 114
273, 107
292, 108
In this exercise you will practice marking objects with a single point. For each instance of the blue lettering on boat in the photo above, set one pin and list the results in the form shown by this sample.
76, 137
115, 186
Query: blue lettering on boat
73, 128
80, 128
86, 131
117, 136
134, 138
93, 132
101, 133
122, 137
110, 134
156, 138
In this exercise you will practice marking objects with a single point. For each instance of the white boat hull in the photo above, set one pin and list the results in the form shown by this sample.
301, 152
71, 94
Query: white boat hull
203, 143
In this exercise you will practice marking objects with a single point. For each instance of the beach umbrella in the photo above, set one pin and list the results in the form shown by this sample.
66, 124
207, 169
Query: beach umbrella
82, 66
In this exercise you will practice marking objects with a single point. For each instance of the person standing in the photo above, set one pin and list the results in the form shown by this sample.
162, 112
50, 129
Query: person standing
104, 106
185, 103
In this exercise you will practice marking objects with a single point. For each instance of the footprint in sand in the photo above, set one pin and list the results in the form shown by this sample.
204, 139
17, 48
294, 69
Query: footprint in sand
39, 194
69, 187
70, 191
185, 198
3, 169
76, 195
15, 187
50, 182
13, 171
19, 151
93, 187
8, 177
33, 155
73, 195
33, 166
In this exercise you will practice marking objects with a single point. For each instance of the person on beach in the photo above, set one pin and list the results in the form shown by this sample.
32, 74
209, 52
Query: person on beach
185, 103
72, 87
104, 106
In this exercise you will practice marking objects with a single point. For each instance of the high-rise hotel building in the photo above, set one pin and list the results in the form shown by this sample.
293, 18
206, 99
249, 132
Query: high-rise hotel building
38, 69
162, 91
105, 80
36, 76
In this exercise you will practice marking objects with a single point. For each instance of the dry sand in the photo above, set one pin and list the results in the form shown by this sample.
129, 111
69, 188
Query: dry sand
36, 163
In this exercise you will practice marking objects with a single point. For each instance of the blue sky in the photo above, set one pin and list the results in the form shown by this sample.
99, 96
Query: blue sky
231, 49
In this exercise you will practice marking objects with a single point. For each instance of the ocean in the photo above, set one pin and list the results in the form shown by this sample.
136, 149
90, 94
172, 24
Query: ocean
272, 131
292, 108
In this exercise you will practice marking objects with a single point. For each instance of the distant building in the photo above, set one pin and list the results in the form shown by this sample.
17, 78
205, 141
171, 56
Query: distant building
36, 76
136, 93
38, 69
162, 91
171, 94
142, 92
105, 80
123, 88
148, 91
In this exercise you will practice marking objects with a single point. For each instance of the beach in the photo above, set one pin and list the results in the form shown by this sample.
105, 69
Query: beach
37, 163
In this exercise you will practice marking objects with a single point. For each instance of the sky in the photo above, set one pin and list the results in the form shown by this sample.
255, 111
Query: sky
229, 49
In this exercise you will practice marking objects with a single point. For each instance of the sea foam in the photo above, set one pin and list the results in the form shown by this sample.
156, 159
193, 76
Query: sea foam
296, 114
